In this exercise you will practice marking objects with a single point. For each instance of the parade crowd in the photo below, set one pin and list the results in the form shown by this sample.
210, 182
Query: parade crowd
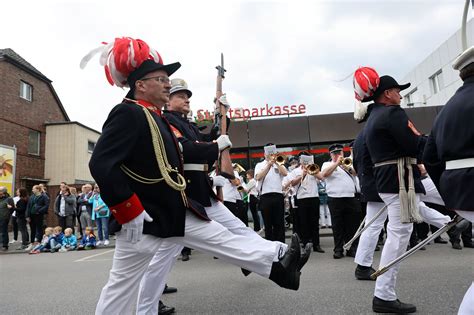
84, 213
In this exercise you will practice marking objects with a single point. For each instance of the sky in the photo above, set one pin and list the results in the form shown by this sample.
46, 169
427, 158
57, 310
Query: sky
276, 52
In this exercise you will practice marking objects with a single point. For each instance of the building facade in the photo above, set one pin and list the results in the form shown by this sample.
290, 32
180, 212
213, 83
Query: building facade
434, 80
28, 101
69, 147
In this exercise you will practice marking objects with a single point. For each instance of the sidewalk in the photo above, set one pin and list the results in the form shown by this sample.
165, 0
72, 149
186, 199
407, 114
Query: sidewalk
13, 248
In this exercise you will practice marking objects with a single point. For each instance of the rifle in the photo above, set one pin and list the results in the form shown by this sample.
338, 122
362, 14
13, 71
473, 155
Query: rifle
224, 164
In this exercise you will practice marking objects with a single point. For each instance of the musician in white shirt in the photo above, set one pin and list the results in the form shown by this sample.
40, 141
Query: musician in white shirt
269, 176
305, 183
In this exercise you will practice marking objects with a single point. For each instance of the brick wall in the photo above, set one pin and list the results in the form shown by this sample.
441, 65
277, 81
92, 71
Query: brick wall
19, 116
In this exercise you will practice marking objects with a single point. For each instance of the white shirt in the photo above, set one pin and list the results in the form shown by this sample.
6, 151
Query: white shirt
15, 200
62, 206
308, 187
272, 182
230, 192
340, 184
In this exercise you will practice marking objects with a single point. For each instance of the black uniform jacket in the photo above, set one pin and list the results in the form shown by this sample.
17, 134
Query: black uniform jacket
365, 170
452, 138
199, 186
389, 135
126, 140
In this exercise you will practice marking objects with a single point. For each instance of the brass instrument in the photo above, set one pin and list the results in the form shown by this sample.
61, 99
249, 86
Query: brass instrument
312, 169
280, 159
239, 168
240, 188
346, 162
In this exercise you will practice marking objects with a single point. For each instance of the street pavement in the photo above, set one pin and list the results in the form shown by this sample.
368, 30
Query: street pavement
70, 283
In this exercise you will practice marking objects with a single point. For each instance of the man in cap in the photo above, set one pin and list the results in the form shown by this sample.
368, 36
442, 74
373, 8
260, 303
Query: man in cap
269, 175
449, 152
341, 188
199, 188
394, 146
138, 163
307, 200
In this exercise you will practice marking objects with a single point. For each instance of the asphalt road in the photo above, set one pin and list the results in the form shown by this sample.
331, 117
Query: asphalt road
434, 280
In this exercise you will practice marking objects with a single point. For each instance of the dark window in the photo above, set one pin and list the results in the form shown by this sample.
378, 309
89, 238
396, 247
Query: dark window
90, 146
26, 91
34, 142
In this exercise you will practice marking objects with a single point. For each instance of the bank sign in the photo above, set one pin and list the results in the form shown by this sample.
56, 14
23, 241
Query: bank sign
247, 113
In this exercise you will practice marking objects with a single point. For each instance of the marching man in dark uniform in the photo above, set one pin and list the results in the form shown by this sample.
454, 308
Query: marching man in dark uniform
394, 146
138, 163
368, 239
449, 152
198, 186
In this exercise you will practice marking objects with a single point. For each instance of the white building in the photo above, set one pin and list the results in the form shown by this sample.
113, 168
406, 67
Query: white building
434, 81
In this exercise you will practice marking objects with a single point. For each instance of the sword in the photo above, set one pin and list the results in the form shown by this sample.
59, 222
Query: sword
407, 254
363, 227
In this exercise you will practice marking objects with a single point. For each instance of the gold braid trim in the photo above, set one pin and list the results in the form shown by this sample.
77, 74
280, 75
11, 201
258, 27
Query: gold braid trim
161, 159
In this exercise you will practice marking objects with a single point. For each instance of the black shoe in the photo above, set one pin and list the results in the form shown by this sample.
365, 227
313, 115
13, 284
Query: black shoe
382, 306
318, 249
456, 244
285, 272
468, 245
304, 256
440, 240
455, 232
363, 273
338, 255
245, 271
351, 253
164, 310
169, 290
184, 257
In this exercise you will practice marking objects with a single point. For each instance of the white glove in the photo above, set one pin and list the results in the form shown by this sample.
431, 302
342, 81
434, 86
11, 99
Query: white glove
218, 181
223, 142
134, 229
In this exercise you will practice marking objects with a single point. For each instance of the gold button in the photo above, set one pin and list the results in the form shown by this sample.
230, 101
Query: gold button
189, 181
128, 205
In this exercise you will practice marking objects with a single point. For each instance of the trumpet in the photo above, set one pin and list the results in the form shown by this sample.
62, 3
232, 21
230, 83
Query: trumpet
312, 169
280, 159
346, 162
239, 168
240, 188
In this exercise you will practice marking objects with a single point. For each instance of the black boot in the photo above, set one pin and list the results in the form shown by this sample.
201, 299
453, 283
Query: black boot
304, 256
397, 307
164, 310
455, 232
285, 272
363, 273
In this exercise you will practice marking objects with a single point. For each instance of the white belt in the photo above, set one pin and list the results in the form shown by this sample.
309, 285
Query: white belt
390, 162
462, 163
196, 167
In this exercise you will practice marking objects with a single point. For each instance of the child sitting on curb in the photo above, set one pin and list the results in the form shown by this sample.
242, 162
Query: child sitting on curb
88, 240
44, 245
69, 241
56, 240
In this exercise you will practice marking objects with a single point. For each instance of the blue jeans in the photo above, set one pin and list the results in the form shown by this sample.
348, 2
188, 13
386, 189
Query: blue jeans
102, 223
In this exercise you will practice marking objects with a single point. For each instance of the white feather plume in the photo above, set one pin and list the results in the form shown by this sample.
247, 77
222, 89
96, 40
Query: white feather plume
360, 110
85, 60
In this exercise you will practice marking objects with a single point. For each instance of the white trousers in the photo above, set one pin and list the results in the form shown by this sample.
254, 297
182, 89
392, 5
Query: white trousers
131, 260
154, 279
467, 304
398, 235
368, 238
325, 215
432, 194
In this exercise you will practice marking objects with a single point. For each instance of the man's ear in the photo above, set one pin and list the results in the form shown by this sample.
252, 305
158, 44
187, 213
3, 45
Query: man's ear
139, 85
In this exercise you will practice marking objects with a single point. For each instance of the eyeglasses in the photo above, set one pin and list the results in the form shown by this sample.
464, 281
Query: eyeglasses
161, 79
